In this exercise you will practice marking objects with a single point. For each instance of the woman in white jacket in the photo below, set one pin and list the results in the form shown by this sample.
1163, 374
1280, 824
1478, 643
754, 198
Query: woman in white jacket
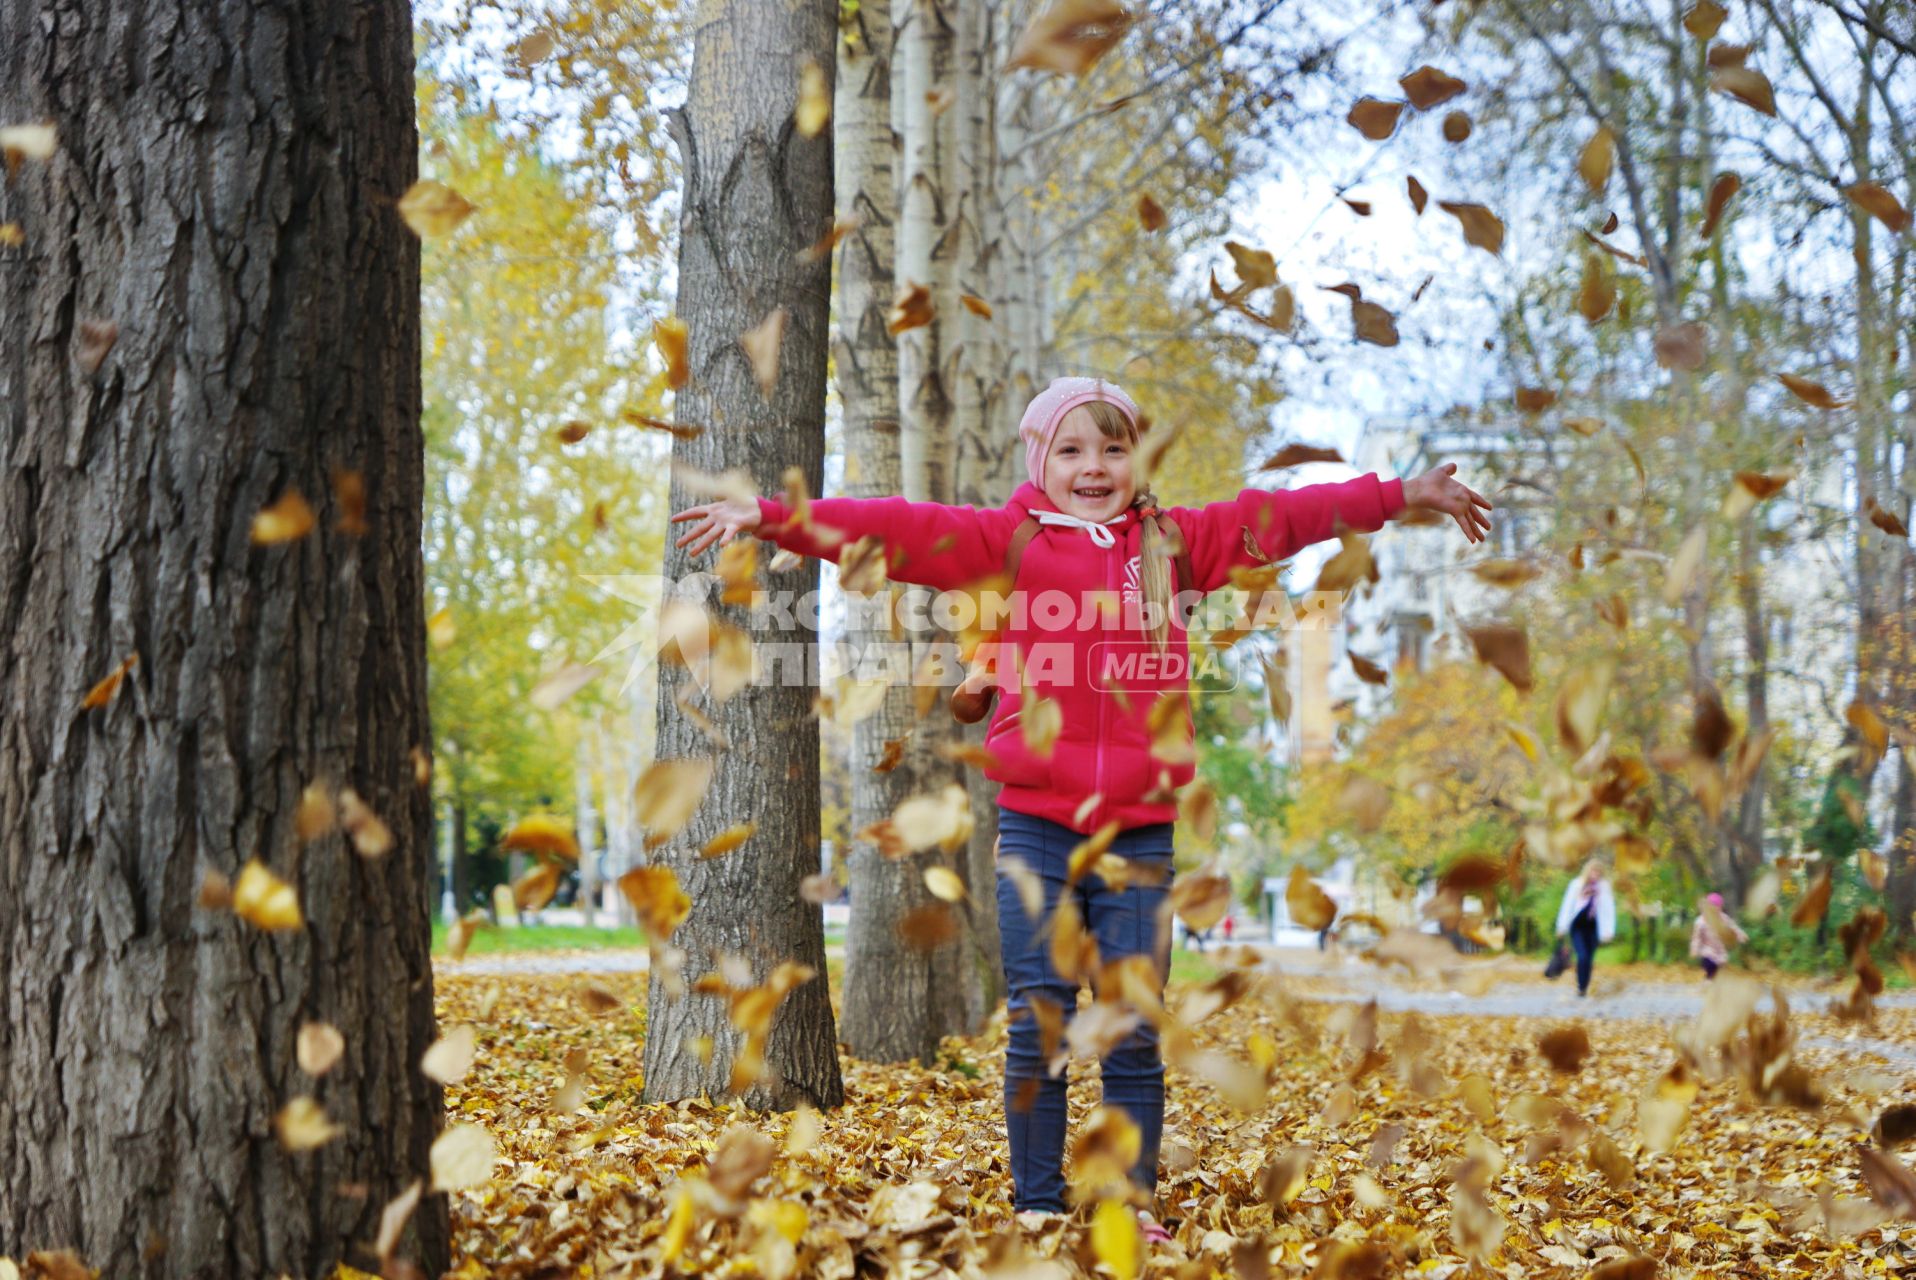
1589, 916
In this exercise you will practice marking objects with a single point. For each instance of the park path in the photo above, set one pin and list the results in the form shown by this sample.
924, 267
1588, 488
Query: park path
1354, 980
1611, 999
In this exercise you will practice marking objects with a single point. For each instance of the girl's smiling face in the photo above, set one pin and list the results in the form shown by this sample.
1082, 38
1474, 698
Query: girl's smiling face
1087, 473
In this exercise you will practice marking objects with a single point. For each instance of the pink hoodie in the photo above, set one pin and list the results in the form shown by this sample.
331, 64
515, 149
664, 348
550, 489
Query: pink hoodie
1105, 746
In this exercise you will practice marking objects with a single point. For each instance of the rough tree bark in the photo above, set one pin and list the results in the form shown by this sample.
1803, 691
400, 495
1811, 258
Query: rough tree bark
756, 194
224, 191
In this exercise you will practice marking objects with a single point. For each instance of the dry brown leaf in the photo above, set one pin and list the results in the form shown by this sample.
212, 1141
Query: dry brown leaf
1704, 18
1814, 393
1456, 126
1309, 906
1565, 1048
1747, 85
1683, 346
1875, 199
1068, 37
1482, 228
1507, 648
1428, 87
1418, 196
1151, 213
673, 341
1722, 188
1375, 118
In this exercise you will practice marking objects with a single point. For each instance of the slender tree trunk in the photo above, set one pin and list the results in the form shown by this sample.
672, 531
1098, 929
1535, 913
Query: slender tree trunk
224, 192
889, 990
588, 832
617, 781
1747, 856
982, 457
756, 194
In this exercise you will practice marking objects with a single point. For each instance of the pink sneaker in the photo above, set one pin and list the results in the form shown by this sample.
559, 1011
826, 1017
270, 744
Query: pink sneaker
1154, 1232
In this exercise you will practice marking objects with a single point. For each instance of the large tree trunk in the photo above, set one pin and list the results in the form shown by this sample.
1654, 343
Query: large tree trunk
224, 192
891, 991
756, 194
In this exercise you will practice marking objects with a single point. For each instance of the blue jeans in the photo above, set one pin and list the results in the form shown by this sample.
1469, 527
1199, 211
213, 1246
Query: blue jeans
1124, 923
1583, 941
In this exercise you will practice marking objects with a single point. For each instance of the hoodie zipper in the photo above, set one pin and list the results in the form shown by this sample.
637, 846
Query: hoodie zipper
1115, 552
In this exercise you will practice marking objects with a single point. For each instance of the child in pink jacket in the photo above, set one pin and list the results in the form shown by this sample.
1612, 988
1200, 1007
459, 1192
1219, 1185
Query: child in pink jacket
1089, 608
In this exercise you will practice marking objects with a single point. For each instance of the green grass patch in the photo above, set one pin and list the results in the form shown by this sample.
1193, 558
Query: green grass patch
496, 940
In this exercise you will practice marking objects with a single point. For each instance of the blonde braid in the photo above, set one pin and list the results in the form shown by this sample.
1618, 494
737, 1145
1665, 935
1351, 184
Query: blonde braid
1154, 569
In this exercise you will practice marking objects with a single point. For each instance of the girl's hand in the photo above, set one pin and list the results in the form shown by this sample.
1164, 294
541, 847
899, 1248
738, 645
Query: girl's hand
1438, 490
719, 522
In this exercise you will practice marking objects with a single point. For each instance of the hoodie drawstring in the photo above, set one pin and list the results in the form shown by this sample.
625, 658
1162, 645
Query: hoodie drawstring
1100, 535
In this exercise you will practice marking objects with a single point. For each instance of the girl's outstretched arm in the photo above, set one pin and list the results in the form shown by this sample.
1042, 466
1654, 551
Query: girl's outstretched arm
925, 542
1261, 526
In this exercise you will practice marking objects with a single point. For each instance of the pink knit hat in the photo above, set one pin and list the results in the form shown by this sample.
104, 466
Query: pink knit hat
1715, 900
1047, 410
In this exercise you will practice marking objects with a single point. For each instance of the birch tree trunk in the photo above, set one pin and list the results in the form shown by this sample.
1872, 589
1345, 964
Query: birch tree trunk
982, 455
756, 194
588, 831
890, 992
223, 192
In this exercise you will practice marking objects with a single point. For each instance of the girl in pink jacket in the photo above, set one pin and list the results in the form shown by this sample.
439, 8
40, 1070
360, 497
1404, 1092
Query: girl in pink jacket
1094, 629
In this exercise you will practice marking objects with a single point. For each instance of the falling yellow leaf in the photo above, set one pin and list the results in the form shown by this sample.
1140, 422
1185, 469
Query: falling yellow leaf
762, 345
727, 840
1307, 902
533, 890
654, 892
433, 208
20, 142
371, 837
264, 900
666, 795
287, 520
1117, 1240
1597, 294
441, 629
814, 100
678, 1228
302, 1125
1598, 157
318, 1048
670, 336
102, 693
449, 1058
944, 884
1685, 564
461, 1157
542, 834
